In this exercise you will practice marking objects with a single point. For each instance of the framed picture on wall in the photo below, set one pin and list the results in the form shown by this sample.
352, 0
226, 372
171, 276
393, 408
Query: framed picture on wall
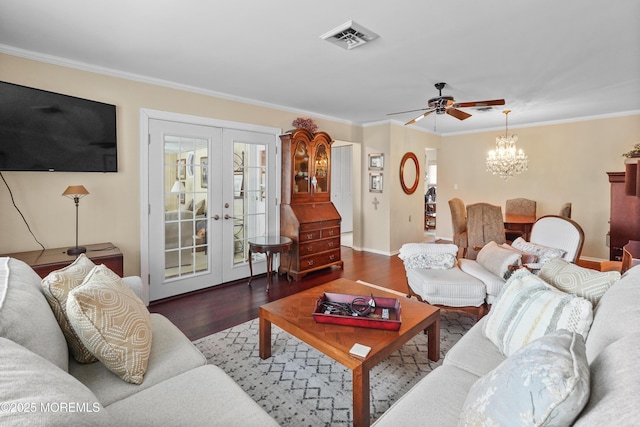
375, 182
376, 162
204, 172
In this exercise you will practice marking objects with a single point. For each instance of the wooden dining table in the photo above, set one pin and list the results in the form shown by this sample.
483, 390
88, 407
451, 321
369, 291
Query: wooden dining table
520, 222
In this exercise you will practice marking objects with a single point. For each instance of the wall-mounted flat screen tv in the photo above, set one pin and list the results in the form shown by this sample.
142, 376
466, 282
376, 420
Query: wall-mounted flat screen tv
47, 131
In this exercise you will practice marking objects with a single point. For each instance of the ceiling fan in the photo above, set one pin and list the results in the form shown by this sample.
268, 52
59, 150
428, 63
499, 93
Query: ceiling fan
447, 105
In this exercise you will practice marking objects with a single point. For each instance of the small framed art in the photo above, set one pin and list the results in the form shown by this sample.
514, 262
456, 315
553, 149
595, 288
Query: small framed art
376, 162
375, 182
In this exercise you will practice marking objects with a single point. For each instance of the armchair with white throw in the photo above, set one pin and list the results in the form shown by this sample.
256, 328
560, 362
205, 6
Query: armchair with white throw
473, 285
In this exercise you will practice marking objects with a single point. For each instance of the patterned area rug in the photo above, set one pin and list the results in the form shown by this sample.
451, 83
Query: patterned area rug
299, 386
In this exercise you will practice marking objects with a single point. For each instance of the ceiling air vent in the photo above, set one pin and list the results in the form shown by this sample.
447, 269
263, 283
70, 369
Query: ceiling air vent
349, 35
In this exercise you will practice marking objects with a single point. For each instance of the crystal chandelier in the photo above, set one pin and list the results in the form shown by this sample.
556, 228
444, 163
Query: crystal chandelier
506, 160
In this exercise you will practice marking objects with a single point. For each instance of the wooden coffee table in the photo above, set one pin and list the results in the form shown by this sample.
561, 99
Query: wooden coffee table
294, 315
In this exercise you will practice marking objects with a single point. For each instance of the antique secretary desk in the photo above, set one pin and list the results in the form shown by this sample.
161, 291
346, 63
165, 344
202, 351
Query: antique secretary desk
307, 215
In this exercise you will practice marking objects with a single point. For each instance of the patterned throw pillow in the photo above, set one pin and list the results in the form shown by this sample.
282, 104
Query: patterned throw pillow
545, 383
56, 287
544, 253
573, 279
498, 260
112, 322
434, 256
526, 258
528, 308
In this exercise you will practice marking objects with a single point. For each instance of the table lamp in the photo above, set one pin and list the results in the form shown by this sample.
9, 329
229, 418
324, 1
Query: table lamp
76, 192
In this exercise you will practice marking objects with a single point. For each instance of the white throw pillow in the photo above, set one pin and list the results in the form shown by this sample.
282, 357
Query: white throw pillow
498, 260
573, 279
112, 322
56, 287
528, 308
545, 383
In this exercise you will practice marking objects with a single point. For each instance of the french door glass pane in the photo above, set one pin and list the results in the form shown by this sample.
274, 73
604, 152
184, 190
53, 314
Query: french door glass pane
250, 196
185, 206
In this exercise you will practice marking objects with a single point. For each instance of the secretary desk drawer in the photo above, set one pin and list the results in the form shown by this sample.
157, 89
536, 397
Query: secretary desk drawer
318, 246
306, 236
319, 224
319, 260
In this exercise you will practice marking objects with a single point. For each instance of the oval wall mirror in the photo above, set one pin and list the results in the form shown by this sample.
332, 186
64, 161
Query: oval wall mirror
409, 172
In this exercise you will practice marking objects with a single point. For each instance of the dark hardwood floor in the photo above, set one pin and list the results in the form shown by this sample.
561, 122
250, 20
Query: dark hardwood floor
207, 311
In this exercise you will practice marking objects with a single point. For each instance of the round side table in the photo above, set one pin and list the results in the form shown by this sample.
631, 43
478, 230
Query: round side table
269, 245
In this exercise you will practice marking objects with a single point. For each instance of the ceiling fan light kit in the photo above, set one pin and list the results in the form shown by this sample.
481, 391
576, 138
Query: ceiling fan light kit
506, 160
445, 104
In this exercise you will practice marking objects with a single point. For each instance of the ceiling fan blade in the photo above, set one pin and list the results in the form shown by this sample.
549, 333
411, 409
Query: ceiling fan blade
420, 117
408, 111
458, 114
479, 103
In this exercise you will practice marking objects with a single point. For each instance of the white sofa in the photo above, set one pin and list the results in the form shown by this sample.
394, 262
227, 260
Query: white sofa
40, 384
612, 350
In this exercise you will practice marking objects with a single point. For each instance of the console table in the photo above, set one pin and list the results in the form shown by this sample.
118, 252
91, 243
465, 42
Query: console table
48, 260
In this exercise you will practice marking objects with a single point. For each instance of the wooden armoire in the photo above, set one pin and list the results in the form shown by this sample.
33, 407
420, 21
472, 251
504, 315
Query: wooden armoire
624, 222
307, 215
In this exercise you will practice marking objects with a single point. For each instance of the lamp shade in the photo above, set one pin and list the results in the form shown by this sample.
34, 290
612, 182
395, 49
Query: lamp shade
74, 191
178, 187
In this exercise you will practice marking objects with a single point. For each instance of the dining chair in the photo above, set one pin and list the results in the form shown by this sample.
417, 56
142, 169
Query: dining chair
566, 210
519, 209
484, 224
459, 224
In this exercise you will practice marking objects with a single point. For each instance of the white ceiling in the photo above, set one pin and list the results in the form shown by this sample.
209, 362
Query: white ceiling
551, 60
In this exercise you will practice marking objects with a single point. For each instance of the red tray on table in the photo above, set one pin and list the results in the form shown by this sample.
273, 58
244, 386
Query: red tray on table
372, 320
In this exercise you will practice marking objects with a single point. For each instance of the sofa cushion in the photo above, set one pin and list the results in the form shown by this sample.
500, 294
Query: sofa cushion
436, 400
573, 279
112, 323
545, 383
474, 352
204, 396
528, 308
615, 316
25, 315
35, 392
171, 354
544, 253
498, 260
615, 385
56, 287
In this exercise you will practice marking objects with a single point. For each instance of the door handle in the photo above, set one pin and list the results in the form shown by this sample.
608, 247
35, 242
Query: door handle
216, 217
227, 216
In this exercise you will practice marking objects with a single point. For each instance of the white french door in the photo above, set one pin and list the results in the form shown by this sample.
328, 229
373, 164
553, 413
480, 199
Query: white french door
210, 190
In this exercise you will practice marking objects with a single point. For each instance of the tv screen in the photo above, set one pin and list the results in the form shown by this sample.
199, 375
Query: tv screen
47, 131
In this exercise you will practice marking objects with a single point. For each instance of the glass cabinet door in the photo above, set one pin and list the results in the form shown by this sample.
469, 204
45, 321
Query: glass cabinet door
321, 168
301, 168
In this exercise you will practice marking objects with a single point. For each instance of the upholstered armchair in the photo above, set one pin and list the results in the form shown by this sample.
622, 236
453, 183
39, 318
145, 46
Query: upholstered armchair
484, 224
459, 223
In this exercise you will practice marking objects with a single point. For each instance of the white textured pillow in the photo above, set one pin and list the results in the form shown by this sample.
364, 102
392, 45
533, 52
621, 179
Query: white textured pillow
497, 259
573, 279
528, 308
544, 253
56, 287
545, 383
112, 322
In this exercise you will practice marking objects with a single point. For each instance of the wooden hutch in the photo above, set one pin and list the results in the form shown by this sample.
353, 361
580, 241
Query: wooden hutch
624, 222
307, 215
